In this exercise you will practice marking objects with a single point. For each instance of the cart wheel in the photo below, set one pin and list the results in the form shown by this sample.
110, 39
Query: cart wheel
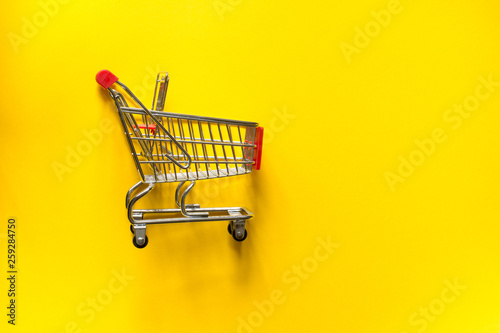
229, 228
132, 229
143, 245
240, 240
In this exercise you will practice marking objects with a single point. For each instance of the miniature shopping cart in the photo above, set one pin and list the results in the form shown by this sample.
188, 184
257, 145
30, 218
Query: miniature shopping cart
171, 147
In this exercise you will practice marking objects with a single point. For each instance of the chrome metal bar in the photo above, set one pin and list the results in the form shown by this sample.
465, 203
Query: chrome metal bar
129, 193
209, 210
203, 146
184, 219
132, 202
183, 199
206, 159
213, 146
195, 162
223, 148
171, 144
177, 191
215, 142
160, 93
232, 145
193, 117
195, 150
181, 133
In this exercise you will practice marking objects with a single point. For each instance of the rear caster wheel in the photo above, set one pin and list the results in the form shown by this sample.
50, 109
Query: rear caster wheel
229, 229
241, 239
140, 246
132, 229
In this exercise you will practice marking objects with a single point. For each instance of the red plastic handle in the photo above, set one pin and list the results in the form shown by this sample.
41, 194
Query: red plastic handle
105, 78
257, 154
151, 127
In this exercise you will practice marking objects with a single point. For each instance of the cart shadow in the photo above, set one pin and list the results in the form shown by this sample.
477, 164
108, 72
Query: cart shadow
195, 250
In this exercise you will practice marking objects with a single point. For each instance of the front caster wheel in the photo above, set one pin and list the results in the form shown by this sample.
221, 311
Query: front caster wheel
145, 243
132, 229
229, 229
240, 239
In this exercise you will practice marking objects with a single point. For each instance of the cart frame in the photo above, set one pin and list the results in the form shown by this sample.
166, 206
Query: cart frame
155, 146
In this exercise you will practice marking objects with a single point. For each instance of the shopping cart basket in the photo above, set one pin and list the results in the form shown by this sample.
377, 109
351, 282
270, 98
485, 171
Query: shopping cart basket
171, 147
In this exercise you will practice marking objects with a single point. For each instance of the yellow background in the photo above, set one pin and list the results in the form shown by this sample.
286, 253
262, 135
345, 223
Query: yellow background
322, 174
